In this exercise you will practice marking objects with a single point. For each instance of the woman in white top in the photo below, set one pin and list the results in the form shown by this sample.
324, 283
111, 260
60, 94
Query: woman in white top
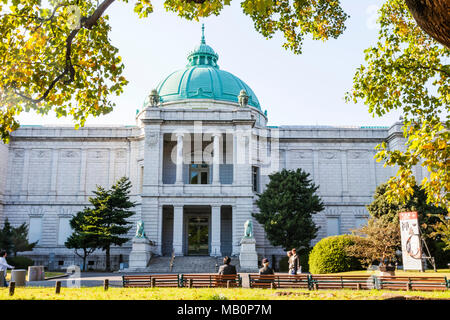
4, 267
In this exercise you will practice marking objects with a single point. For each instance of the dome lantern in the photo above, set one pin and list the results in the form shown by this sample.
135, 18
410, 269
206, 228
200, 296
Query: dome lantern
203, 54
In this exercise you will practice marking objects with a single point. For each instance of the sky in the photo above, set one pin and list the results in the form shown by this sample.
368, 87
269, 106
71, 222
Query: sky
305, 89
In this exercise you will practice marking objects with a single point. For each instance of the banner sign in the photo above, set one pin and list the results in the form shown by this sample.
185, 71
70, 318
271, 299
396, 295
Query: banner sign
411, 242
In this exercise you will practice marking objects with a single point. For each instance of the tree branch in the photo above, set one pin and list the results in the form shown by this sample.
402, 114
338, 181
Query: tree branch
69, 70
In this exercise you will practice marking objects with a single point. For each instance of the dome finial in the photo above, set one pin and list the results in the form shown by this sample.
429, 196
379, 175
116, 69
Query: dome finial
203, 34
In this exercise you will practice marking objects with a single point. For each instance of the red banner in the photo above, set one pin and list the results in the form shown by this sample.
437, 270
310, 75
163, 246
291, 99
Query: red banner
408, 215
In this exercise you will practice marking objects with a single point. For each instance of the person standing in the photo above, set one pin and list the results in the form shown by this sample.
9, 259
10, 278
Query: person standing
4, 267
226, 268
266, 269
295, 262
290, 263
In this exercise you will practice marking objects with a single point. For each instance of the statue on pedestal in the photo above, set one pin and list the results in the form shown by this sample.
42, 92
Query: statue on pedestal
140, 232
248, 257
248, 229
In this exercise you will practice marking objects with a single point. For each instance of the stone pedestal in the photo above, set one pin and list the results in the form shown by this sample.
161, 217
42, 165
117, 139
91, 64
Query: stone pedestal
140, 255
18, 276
36, 273
248, 258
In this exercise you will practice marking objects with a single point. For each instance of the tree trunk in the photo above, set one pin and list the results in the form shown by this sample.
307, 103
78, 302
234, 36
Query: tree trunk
433, 17
84, 259
108, 262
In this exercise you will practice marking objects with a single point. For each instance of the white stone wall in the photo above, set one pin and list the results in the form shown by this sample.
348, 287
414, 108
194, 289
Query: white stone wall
4, 154
48, 173
51, 172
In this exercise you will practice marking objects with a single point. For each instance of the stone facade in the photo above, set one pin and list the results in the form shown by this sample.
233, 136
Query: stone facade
48, 173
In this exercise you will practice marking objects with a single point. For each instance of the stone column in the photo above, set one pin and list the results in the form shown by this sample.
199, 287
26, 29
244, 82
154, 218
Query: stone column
83, 165
216, 159
178, 230
53, 183
179, 176
215, 231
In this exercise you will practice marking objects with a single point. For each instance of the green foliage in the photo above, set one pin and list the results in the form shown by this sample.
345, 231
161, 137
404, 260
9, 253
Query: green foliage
6, 238
106, 220
80, 240
408, 70
57, 55
20, 262
286, 209
429, 216
20, 239
15, 239
329, 255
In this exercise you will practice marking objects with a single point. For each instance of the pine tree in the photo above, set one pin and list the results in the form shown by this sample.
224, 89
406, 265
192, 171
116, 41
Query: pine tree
6, 237
106, 221
19, 239
286, 209
80, 240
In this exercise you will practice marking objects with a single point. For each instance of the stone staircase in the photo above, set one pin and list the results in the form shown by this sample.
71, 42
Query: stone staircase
188, 264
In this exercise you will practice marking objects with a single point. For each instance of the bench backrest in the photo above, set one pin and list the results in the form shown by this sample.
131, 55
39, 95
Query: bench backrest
156, 280
278, 281
413, 283
211, 280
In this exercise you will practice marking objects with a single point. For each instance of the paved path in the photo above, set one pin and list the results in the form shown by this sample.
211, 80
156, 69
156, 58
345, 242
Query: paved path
89, 279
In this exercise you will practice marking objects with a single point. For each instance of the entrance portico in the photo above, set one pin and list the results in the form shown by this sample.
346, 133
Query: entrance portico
197, 230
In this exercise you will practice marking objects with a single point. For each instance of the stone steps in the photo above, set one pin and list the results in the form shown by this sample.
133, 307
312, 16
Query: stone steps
188, 264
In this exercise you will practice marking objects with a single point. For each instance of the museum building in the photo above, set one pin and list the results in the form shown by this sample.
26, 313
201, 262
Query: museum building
199, 154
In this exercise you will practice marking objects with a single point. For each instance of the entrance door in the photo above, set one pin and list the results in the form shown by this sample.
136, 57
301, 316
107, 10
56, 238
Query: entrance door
198, 235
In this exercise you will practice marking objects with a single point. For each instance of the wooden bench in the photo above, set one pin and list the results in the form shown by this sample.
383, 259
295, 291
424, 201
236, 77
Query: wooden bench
210, 280
342, 282
154, 280
279, 281
413, 283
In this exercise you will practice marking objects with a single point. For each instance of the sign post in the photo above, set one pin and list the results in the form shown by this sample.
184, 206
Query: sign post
411, 241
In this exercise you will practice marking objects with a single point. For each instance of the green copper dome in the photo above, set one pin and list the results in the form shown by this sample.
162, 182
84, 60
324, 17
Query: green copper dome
202, 79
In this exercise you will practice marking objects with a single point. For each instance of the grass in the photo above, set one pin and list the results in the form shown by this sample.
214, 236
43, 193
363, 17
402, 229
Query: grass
427, 273
97, 293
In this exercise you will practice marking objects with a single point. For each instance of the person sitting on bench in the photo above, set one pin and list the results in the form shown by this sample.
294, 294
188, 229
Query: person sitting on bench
266, 269
226, 268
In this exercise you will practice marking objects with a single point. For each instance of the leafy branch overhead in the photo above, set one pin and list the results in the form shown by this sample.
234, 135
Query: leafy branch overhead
408, 70
58, 57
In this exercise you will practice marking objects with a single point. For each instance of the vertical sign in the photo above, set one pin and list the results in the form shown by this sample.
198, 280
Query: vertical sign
411, 242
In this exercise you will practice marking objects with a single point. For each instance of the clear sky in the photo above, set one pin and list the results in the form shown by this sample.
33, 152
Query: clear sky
305, 89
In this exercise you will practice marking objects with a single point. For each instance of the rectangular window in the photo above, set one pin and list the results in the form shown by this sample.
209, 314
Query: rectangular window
199, 173
64, 230
333, 226
255, 179
35, 230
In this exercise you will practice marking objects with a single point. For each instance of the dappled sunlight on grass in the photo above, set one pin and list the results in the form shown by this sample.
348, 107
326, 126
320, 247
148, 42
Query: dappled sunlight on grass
97, 293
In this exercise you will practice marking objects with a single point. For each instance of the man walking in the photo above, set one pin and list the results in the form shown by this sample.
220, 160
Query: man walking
295, 262
3, 268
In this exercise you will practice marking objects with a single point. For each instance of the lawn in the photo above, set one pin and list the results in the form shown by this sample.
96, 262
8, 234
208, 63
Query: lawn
97, 293
427, 273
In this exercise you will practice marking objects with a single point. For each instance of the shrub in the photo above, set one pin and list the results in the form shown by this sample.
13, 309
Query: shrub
329, 256
20, 262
